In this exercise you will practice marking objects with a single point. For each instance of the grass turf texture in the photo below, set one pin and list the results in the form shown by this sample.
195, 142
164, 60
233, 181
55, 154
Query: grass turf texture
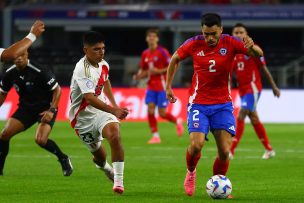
153, 173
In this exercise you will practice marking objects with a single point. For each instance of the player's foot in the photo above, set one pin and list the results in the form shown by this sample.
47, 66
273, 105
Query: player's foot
230, 197
109, 174
154, 140
118, 187
189, 183
268, 154
66, 165
179, 127
230, 155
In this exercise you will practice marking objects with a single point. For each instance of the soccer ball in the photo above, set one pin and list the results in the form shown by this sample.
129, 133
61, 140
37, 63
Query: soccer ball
219, 187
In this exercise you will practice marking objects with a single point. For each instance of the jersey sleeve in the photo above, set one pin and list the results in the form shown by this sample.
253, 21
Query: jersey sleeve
5, 84
85, 84
185, 50
49, 80
1, 50
166, 56
238, 46
142, 64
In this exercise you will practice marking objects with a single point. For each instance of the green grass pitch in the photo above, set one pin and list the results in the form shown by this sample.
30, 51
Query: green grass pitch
154, 173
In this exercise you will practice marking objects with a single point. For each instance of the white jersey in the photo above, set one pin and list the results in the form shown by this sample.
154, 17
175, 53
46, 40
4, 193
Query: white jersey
1, 50
86, 79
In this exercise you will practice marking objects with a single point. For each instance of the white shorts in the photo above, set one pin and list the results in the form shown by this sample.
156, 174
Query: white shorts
91, 135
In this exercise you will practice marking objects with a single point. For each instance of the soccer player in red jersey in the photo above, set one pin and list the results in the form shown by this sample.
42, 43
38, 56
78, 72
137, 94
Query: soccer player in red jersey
210, 106
153, 64
248, 74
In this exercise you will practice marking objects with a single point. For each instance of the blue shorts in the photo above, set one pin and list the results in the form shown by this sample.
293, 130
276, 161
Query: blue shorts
157, 97
250, 101
202, 117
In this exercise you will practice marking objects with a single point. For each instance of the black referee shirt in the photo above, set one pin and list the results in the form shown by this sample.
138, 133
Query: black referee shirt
33, 84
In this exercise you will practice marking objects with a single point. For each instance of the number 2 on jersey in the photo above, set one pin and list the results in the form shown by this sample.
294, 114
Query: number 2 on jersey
212, 64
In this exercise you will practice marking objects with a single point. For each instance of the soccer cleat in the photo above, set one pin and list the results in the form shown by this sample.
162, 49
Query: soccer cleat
189, 183
179, 127
154, 140
66, 165
118, 187
268, 154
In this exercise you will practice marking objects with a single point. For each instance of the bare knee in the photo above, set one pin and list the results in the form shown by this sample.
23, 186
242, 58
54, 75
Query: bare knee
162, 114
41, 140
113, 134
196, 146
224, 155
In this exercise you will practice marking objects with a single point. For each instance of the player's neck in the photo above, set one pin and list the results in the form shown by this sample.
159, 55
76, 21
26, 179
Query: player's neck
92, 63
152, 47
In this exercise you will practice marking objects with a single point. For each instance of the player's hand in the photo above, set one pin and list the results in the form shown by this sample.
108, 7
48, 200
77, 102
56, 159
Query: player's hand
170, 96
276, 92
135, 77
248, 42
47, 116
121, 113
37, 28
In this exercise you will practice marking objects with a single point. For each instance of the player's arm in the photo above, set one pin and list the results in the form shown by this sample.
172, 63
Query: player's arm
2, 97
92, 100
156, 71
170, 76
140, 74
107, 89
21, 46
275, 89
253, 50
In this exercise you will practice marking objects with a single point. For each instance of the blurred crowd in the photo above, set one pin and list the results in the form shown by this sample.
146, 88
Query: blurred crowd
153, 2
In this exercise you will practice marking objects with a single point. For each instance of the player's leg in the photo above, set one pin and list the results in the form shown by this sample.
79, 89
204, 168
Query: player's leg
42, 139
99, 158
111, 132
240, 126
153, 124
198, 127
223, 141
261, 133
248, 103
11, 128
222, 124
162, 104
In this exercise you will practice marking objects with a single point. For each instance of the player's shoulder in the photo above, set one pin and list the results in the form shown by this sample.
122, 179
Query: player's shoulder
195, 39
145, 52
163, 51
104, 63
10, 70
229, 38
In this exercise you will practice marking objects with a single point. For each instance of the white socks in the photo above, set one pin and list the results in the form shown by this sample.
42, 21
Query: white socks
156, 134
118, 173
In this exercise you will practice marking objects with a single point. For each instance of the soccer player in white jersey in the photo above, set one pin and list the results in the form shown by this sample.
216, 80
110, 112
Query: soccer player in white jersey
18, 49
91, 117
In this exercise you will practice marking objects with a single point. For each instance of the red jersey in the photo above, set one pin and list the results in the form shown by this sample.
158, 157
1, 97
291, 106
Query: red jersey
212, 68
158, 58
247, 70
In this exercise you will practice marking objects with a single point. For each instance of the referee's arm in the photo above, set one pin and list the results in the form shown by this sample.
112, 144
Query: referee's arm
56, 97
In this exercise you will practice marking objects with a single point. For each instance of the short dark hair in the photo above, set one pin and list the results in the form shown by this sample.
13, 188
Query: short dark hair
92, 37
240, 25
210, 19
153, 30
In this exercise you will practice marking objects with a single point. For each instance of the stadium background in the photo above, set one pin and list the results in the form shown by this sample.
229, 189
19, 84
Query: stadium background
276, 25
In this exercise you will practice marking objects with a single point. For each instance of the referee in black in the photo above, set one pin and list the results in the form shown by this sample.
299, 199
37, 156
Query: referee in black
39, 95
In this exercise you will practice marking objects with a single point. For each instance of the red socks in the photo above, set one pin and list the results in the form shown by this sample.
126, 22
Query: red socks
261, 132
238, 135
170, 118
192, 161
152, 123
220, 167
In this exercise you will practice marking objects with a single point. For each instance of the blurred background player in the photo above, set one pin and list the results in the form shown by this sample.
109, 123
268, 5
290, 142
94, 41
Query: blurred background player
39, 95
153, 64
89, 114
17, 49
249, 82
210, 106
